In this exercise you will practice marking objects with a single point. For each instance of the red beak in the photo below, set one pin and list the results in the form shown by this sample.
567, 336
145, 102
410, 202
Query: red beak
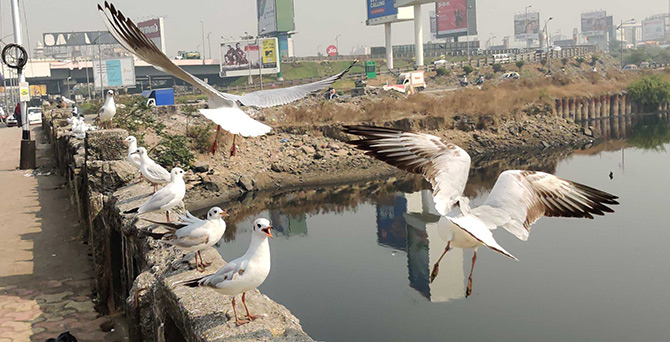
267, 231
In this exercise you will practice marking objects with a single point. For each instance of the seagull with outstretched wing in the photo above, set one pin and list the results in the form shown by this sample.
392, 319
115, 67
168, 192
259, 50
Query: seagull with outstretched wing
224, 109
518, 198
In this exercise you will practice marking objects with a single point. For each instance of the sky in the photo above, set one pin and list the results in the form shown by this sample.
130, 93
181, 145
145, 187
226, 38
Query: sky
317, 22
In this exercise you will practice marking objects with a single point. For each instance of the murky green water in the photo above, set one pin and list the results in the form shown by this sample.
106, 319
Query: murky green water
353, 263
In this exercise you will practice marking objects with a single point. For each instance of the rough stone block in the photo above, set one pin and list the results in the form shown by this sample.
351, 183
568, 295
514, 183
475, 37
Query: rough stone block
106, 144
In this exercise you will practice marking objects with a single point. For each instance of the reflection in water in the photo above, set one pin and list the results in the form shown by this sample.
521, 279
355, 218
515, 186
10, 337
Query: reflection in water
391, 224
288, 225
649, 132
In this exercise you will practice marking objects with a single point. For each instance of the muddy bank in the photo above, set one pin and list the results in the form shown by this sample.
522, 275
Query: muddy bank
307, 156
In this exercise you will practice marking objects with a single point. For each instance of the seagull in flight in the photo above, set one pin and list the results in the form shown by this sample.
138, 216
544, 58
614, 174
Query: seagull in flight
244, 273
518, 198
224, 109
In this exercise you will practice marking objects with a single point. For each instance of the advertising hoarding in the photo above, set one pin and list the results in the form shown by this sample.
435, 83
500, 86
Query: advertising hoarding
403, 3
653, 30
384, 11
154, 30
115, 73
77, 38
285, 15
240, 58
527, 26
455, 18
275, 16
594, 23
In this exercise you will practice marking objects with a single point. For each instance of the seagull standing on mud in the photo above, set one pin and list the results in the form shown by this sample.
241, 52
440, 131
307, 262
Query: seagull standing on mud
244, 273
151, 171
166, 198
107, 111
224, 109
517, 200
193, 234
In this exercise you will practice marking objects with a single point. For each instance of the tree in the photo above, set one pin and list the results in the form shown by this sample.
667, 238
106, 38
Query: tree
650, 92
497, 67
564, 61
580, 60
442, 71
520, 64
594, 60
467, 69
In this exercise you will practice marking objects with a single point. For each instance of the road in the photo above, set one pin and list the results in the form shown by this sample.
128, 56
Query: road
45, 271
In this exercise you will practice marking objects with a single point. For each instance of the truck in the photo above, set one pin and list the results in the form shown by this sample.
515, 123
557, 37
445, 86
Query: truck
409, 82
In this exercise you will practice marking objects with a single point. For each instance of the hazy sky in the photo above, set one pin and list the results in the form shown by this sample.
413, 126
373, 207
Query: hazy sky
317, 21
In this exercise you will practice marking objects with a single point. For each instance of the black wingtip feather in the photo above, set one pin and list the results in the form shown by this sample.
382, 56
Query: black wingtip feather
132, 211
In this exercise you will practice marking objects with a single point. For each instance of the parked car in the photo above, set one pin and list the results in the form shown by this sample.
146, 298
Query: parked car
556, 48
645, 65
34, 115
630, 67
11, 121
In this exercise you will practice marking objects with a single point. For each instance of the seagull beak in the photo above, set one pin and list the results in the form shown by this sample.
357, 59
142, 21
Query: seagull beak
134, 152
267, 231
224, 213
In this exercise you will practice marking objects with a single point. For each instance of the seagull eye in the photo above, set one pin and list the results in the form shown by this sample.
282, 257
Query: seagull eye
258, 225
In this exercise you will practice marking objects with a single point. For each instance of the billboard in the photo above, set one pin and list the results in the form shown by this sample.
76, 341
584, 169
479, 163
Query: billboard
653, 30
77, 38
455, 18
154, 30
241, 58
594, 23
114, 73
527, 26
275, 16
384, 11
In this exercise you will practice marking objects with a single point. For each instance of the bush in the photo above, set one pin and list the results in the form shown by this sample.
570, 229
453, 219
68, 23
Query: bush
200, 137
442, 71
580, 60
564, 61
467, 69
497, 67
174, 150
650, 92
594, 60
520, 64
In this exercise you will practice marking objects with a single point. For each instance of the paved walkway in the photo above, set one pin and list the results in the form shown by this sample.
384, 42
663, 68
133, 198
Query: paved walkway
45, 270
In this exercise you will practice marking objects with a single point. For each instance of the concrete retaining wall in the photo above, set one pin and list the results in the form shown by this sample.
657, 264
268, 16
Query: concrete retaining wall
135, 274
599, 106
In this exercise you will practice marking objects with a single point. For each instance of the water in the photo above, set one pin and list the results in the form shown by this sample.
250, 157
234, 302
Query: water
353, 263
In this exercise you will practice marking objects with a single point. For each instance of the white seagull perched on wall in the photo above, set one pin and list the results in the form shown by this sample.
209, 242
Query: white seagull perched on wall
224, 109
151, 171
244, 273
166, 198
107, 111
193, 234
517, 200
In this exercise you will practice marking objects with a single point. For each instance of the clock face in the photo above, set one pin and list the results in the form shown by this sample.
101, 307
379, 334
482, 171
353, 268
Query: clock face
15, 56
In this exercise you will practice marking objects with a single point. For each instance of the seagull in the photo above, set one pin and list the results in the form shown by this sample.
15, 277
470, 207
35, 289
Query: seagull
194, 234
244, 273
133, 159
224, 109
151, 171
166, 198
108, 110
517, 200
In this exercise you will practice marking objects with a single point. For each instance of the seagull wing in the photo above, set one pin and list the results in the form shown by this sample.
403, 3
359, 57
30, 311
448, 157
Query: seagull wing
158, 172
282, 96
444, 165
191, 237
225, 274
160, 199
519, 198
131, 38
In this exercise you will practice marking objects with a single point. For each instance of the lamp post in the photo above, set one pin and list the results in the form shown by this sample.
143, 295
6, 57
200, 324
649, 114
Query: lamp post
337, 43
467, 32
102, 85
528, 41
202, 31
209, 45
546, 36
621, 42
260, 57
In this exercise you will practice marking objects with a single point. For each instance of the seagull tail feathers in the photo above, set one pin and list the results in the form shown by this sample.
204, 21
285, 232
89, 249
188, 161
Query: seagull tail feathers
235, 121
132, 211
189, 282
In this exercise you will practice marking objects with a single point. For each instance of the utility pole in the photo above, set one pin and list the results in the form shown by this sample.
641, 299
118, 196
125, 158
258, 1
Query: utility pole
27, 145
202, 30
549, 50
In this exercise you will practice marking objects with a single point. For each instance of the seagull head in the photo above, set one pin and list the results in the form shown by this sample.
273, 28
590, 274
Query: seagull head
176, 172
130, 139
110, 93
216, 213
262, 226
141, 151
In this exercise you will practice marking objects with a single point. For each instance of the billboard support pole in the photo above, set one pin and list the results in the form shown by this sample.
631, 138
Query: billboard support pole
418, 36
389, 46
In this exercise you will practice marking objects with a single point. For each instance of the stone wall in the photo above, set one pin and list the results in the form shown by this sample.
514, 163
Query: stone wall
599, 106
135, 274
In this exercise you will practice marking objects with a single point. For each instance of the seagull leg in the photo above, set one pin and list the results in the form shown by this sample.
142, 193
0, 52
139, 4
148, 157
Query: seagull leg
197, 264
436, 268
237, 320
212, 150
233, 149
202, 262
167, 215
468, 290
251, 317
